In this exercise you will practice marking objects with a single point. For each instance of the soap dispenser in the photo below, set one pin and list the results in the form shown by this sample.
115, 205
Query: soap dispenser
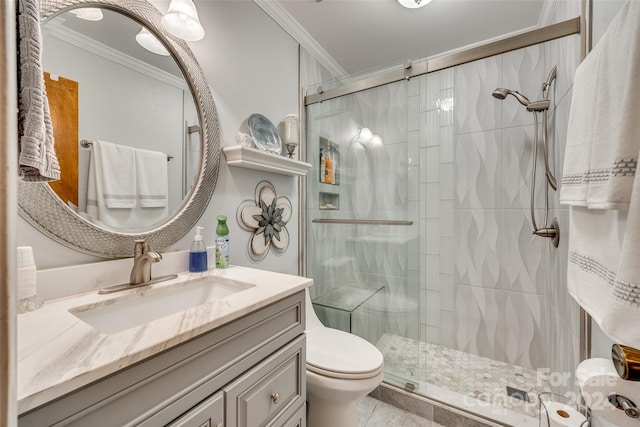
198, 253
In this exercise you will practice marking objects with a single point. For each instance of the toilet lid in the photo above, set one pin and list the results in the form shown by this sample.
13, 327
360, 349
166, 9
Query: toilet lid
338, 354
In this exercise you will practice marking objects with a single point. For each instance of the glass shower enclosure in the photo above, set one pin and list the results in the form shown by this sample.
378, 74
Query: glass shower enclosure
362, 221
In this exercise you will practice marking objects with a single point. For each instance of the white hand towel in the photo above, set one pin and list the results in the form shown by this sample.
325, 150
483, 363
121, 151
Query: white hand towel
115, 168
152, 178
600, 182
37, 158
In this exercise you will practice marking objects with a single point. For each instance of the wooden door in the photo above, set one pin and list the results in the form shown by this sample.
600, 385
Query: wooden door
63, 103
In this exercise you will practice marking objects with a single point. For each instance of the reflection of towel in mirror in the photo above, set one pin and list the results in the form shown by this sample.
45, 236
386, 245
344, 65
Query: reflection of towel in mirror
101, 166
37, 159
115, 168
152, 178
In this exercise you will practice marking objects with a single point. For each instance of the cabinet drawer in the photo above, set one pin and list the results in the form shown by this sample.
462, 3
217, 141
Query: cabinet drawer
299, 419
209, 413
274, 388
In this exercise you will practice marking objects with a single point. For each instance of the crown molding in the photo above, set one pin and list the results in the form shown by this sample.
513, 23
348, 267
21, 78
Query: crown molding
283, 18
54, 29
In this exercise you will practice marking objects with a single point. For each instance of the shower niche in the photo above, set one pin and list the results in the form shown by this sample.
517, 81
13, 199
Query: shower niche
329, 155
329, 174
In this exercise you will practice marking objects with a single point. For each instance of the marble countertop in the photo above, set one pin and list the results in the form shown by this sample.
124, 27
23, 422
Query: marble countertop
58, 352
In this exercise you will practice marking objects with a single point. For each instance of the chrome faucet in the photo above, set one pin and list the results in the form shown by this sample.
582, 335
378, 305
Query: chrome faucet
142, 260
141, 271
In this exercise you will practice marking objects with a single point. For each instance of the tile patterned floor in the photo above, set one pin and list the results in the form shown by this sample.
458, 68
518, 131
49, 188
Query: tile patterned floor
374, 413
470, 375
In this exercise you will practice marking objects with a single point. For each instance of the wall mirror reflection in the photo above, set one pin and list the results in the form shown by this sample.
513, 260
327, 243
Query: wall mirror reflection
125, 123
135, 128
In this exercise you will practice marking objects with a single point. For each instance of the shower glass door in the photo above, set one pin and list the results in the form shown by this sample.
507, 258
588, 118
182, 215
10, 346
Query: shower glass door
362, 221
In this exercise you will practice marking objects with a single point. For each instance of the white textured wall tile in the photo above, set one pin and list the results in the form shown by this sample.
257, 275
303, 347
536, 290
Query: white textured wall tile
446, 217
565, 9
414, 113
447, 78
433, 308
517, 162
433, 272
432, 173
477, 321
565, 54
433, 200
433, 131
445, 104
524, 257
523, 323
413, 88
477, 247
523, 71
475, 108
447, 188
430, 91
447, 254
431, 335
446, 145
432, 236
447, 328
446, 291
478, 170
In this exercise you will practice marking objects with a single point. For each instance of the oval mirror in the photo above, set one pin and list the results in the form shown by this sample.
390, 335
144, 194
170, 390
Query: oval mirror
154, 110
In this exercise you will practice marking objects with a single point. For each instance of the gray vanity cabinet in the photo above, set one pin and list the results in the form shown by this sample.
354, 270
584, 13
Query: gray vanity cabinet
209, 413
247, 373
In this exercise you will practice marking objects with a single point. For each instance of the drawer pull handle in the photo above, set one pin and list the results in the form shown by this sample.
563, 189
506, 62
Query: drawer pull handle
275, 397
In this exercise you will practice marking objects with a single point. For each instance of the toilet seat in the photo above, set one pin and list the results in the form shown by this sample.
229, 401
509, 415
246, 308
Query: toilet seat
338, 354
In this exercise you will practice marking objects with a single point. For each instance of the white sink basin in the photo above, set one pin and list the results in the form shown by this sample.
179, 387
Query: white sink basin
149, 304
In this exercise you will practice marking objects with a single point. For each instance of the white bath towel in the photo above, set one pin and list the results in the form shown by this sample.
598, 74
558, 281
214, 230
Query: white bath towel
603, 133
152, 178
600, 183
115, 175
37, 158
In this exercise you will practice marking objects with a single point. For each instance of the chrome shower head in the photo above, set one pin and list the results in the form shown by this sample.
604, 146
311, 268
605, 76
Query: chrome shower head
501, 93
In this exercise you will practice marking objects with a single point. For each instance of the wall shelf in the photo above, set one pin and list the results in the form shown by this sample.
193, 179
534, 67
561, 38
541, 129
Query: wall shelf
252, 158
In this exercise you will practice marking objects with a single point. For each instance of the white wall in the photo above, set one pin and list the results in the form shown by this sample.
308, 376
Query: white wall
251, 65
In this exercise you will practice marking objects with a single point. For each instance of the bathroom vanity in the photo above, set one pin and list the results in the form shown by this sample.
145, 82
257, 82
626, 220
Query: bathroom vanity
236, 360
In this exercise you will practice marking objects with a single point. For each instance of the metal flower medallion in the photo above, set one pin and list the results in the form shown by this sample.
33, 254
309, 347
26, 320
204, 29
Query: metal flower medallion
266, 218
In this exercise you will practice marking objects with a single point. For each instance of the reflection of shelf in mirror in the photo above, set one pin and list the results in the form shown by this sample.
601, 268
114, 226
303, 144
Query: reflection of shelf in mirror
328, 201
252, 158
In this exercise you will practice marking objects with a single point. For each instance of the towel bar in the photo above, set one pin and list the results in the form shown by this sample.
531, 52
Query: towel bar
87, 144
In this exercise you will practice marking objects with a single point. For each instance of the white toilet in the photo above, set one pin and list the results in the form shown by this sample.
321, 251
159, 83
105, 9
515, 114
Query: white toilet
341, 368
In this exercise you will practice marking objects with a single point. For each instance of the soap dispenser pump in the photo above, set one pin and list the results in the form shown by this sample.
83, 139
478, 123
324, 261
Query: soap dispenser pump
198, 253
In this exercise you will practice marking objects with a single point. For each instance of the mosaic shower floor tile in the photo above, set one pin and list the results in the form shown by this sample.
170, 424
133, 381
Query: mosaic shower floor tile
480, 378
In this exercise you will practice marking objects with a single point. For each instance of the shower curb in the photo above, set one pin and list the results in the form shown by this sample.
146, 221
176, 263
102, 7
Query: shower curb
430, 409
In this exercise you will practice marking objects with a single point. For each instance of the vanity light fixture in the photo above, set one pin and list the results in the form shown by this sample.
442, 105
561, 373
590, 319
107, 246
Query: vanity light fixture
150, 42
414, 4
88, 13
182, 21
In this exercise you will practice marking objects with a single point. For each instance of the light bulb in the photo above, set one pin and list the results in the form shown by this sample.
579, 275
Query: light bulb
151, 43
182, 21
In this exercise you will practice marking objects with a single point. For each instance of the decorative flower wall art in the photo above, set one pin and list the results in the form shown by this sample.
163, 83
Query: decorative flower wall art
266, 218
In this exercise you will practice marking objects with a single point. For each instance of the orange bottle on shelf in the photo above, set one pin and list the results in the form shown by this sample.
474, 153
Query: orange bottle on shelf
329, 169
